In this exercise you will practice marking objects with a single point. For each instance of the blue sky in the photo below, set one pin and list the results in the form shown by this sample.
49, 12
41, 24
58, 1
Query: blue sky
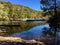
34, 4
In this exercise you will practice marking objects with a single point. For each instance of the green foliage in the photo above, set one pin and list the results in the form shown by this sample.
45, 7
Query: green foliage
47, 7
9, 11
3, 13
52, 7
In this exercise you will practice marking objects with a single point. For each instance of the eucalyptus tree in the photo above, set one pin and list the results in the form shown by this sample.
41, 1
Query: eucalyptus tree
51, 7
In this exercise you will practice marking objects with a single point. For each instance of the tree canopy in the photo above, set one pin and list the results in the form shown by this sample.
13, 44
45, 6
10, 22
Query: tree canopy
9, 11
52, 8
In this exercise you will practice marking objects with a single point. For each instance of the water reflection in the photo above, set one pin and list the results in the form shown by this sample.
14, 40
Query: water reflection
23, 26
30, 30
33, 33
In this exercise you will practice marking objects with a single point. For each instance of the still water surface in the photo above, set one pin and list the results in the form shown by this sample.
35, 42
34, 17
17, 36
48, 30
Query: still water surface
33, 33
25, 29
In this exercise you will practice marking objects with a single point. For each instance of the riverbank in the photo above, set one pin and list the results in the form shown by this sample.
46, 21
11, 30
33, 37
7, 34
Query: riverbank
18, 41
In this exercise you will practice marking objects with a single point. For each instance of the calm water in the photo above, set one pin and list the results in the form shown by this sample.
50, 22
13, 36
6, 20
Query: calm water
23, 26
33, 33
27, 30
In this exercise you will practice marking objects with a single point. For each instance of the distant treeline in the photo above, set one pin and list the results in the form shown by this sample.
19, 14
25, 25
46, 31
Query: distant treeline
9, 11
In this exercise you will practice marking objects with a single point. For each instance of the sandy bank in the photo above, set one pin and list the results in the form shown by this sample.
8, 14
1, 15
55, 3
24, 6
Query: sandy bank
18, 39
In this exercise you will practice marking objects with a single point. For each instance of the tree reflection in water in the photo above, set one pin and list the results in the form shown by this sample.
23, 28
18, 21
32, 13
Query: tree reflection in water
23, 26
